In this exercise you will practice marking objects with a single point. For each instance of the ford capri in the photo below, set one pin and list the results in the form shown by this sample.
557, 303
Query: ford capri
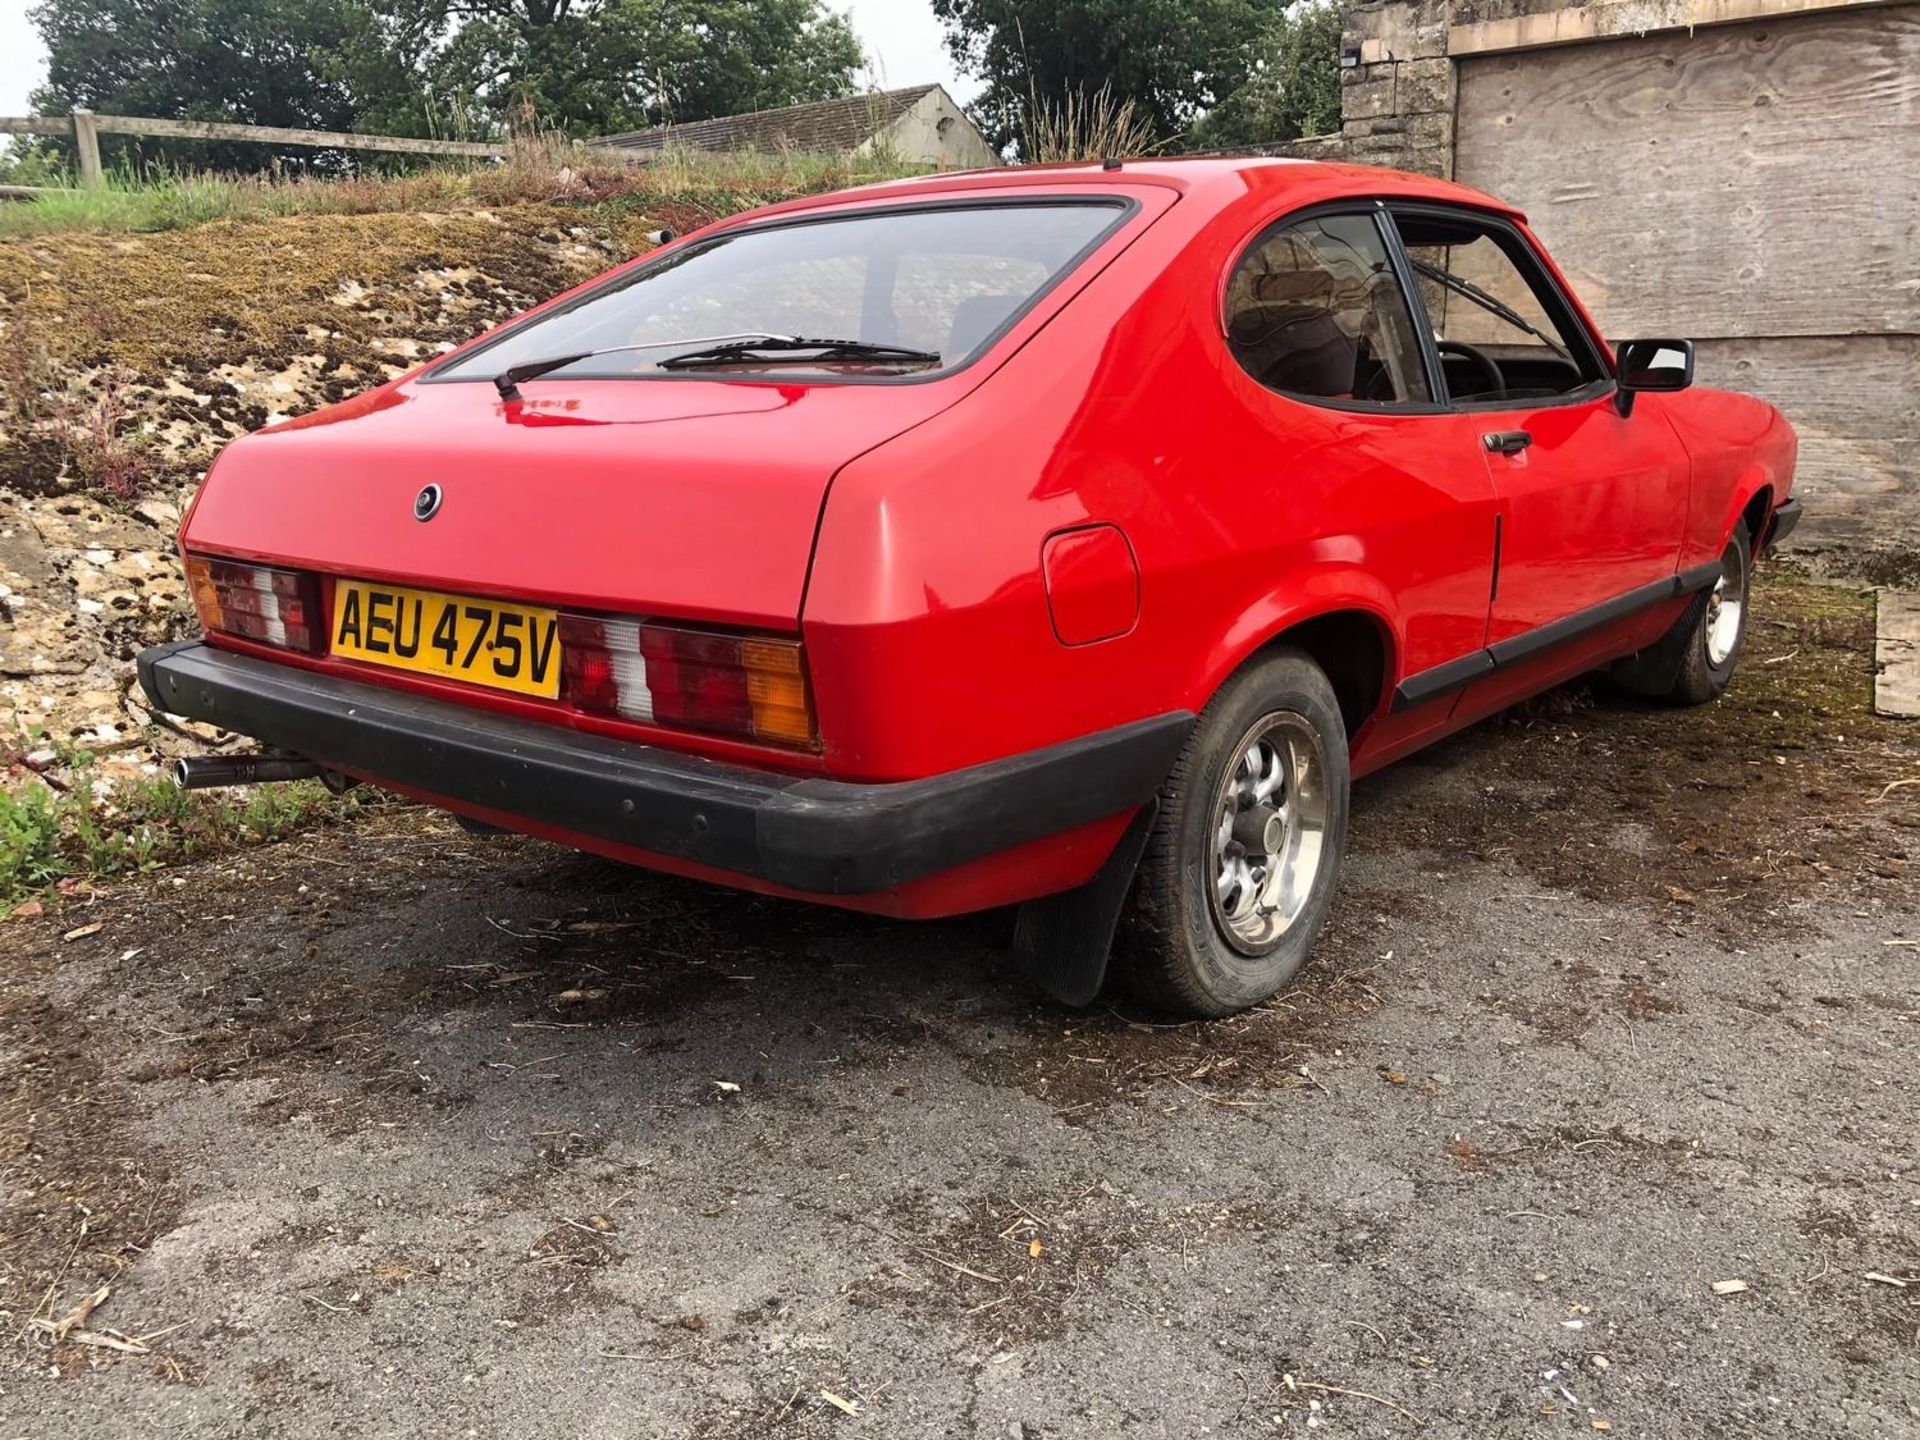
1062, 538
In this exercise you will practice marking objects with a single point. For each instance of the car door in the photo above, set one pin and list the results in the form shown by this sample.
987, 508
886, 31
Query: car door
1337, 383
1591, 502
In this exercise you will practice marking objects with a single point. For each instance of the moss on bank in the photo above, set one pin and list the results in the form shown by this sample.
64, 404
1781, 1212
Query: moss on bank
130, 352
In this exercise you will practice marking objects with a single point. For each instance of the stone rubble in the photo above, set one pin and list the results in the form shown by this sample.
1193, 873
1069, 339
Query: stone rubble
86, 580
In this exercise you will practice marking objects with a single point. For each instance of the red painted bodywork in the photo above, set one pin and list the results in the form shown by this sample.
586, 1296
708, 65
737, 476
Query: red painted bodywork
903, 530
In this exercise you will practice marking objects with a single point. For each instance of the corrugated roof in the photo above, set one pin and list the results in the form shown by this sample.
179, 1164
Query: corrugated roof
827, 126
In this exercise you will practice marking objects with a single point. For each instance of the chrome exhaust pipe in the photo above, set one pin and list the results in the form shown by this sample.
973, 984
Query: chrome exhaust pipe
209, 772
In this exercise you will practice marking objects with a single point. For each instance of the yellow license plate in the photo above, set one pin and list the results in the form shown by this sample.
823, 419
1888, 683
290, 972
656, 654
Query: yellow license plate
483, 642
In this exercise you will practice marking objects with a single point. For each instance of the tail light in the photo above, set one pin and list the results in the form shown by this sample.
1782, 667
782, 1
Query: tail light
257, 602
739, 685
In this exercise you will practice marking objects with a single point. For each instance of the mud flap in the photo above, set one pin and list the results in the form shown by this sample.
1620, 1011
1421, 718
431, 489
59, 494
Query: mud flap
1656, 669
1061, 943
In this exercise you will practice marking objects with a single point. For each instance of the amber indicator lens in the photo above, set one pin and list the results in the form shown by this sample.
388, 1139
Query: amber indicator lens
257, 602
740, 685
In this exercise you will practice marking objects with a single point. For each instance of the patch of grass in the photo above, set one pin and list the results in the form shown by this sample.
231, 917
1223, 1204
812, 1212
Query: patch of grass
538, 172
1734, 813
89, 830
1806, 676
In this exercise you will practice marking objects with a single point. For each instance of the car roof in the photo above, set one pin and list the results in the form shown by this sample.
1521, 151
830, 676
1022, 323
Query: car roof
1220, 178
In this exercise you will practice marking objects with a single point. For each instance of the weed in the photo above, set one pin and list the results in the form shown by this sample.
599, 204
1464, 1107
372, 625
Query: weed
28, 376
30, 849
91, 829
106, 454
1083, 125
83, 435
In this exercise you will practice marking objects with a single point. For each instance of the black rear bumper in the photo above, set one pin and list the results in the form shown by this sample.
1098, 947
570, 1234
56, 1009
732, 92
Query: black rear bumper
826, 837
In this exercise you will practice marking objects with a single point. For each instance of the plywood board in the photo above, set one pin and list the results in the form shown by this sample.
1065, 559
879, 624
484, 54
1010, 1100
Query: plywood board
1760, 179
1855, 403
1896, 654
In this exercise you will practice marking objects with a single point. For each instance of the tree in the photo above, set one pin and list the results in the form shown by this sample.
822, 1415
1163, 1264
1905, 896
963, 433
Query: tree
593, 66
1173, 59
1294, 89
449, 67
256, 62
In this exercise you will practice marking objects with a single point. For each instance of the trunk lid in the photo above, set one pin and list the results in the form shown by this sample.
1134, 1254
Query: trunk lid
692, 499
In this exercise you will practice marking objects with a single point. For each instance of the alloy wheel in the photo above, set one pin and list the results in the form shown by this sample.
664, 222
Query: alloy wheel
1726, 607
1269, 831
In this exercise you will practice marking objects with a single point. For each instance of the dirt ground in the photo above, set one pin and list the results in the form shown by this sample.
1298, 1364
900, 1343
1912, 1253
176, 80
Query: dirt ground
392, 1131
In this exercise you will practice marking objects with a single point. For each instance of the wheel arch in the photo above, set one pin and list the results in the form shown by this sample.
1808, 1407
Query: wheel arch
1350, 635
1750, 503
1755, 513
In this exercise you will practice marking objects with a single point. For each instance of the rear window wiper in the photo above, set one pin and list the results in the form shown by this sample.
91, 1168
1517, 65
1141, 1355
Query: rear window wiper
507, 382
796, 350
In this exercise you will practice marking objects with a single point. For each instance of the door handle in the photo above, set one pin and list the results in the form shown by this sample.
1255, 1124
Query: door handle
1506, 442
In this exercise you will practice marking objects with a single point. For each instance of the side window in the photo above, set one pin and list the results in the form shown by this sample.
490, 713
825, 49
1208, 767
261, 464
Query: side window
1502, 330
1314, 310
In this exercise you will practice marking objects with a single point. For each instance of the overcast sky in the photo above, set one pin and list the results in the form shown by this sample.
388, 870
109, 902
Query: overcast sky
22, 61
903, 41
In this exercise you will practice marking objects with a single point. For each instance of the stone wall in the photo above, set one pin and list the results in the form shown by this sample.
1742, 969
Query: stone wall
177, 342
1397, 102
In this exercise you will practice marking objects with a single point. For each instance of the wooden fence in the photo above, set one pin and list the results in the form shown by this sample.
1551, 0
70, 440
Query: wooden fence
85, 128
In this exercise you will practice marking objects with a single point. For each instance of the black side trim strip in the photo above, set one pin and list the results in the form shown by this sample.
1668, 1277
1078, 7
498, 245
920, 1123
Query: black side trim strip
1430, 684
1442, 679
1584, 622
1696, 577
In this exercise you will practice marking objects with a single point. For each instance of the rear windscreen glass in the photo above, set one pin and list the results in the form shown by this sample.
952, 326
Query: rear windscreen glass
935, 281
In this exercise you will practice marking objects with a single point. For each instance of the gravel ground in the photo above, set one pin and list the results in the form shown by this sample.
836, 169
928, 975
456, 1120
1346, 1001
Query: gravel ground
396, 1132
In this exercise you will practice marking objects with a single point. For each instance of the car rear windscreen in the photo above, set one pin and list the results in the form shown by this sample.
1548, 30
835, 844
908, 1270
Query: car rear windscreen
944, 280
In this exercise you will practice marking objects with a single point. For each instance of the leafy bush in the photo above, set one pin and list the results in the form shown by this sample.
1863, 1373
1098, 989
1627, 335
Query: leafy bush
1294, 87
30, 163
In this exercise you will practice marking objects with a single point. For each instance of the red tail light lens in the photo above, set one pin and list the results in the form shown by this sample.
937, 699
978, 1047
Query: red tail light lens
693, 679
257, 602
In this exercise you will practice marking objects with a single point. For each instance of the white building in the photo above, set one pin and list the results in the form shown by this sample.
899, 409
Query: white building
920, 124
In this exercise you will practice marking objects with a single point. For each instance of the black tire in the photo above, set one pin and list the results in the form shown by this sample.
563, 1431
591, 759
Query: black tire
1703, 676
1175, 951
1682, 667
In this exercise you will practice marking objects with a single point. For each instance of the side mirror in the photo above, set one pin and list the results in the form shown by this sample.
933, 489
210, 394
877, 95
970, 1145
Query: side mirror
1650, 365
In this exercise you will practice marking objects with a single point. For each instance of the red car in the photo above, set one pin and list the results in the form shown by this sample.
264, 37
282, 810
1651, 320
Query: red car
1058, 537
